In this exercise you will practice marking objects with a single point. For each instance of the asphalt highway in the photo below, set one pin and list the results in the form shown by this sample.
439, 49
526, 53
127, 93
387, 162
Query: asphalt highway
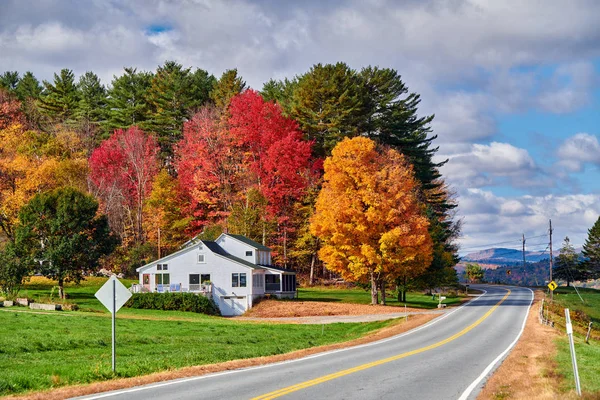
448, 358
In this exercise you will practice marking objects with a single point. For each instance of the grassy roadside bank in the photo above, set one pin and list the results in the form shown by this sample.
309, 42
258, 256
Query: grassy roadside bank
588, 354
542, 354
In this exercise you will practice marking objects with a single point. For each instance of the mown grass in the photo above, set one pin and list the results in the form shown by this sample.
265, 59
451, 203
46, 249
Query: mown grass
361, 296
41, 351
588, 355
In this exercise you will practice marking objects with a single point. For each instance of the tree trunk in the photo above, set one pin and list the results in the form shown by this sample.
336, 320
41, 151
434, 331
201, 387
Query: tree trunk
61, 289
383, 292
374, 297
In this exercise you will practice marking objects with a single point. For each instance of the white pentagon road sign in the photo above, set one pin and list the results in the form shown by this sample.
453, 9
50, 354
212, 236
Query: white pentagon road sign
105, 294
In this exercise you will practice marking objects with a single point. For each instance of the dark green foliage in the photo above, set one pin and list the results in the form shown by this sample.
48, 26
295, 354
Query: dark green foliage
202, 84
474, 272
278, 91
28, 87
9, 80
591, 251
566, 266
173, 302
171, 96
328, 104
13, 271
92, 98
127, 104
60, 99
226, 87
61, 236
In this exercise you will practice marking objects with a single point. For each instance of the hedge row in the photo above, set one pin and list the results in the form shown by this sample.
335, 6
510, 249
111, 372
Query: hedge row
173, 302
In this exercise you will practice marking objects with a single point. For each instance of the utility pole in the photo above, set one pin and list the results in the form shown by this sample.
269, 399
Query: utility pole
159, 243
552, 291
524, 253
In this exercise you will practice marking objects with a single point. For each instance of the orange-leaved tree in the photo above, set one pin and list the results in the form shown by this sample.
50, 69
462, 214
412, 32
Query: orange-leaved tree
368, 216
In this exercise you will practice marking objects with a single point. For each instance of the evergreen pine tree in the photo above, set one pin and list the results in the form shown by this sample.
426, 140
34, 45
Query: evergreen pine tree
328, 104
28, 87
225, 88
170, 97
566, 266
127, 104
591, 251
9, 80
60, 99
92, 98
202, 84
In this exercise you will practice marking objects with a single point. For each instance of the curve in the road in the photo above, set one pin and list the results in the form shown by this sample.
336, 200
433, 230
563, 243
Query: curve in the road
303, 385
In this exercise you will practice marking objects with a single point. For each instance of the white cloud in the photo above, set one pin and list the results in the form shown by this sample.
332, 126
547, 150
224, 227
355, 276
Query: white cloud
489, 218
578, 150
485, 165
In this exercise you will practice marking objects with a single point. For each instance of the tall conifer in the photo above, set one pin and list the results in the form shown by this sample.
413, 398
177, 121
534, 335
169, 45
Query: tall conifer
60, 99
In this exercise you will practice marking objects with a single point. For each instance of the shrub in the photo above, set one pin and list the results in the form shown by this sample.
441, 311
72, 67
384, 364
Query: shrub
173, 302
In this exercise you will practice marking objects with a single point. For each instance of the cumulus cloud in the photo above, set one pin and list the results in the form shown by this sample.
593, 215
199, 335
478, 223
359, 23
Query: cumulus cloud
578, 150
493, 164
489, 218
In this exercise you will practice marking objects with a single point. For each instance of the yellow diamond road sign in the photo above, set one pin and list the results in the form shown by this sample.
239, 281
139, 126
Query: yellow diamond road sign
552, 285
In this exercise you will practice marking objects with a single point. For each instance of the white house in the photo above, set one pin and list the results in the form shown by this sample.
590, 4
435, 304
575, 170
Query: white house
233, 270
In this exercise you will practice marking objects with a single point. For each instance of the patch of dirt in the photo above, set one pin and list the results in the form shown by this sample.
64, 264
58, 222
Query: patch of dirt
529, 371
397, 327
283, 309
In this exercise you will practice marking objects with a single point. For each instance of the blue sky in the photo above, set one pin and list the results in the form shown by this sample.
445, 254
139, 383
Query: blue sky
514, 85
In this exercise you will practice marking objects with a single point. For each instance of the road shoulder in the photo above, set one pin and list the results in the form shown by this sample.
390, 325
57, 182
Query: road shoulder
528, 371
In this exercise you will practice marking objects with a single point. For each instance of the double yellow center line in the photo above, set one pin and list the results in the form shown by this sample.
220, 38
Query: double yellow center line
325, 378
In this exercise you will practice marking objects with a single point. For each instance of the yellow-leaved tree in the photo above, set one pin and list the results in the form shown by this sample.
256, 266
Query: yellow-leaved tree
372, 226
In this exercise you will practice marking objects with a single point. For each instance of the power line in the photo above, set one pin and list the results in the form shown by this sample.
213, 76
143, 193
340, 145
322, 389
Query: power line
496, 244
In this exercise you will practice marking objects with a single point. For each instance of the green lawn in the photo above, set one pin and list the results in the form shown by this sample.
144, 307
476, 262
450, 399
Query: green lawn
40, 351
588, 355
361, 296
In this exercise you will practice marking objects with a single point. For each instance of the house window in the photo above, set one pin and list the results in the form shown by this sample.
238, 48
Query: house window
162, 267
249, 253
194, 279
258, 281
201, 259
272, 283
162, 279
204, 278
238, 279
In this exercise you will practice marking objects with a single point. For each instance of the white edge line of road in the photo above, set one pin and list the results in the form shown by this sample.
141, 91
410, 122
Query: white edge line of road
194, 378
487, 370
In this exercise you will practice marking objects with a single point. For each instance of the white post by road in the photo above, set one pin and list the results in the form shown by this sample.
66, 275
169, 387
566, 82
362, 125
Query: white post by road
114, 325
572, 346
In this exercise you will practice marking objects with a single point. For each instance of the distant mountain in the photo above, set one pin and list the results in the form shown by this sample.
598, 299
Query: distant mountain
503, 256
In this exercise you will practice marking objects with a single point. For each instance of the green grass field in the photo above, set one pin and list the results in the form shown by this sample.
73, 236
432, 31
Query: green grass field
42, 351
361, 296
588, 355
45, 350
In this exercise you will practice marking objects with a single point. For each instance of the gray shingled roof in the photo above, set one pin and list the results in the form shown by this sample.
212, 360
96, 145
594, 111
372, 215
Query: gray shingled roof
215, 248
249, 242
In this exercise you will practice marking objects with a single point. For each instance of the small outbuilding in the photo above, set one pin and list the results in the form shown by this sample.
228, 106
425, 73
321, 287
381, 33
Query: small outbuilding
233, 270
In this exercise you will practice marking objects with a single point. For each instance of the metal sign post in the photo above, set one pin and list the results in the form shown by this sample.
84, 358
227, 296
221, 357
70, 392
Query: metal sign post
572, 346
113, 294
114, 326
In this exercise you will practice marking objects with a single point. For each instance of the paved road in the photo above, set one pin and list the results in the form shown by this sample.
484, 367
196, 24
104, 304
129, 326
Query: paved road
449, 358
